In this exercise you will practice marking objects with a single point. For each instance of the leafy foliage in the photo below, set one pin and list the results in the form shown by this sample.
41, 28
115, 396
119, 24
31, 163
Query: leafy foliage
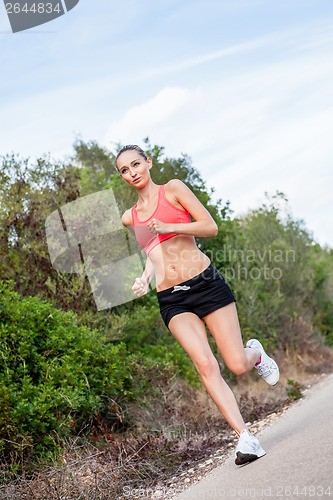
55, 376
294, 390
61, 370
278, 272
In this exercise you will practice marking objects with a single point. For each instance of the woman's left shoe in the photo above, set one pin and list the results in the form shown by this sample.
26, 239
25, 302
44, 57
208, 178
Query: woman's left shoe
248, 449
267, 368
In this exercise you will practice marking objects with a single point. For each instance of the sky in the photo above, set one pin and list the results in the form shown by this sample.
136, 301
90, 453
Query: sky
244, 87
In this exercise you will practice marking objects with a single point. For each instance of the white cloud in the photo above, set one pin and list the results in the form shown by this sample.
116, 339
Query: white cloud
160, 112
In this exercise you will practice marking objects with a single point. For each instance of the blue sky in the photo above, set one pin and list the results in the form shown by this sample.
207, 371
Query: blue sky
244, 87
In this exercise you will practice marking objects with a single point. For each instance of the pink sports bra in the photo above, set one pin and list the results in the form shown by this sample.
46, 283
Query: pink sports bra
165, 212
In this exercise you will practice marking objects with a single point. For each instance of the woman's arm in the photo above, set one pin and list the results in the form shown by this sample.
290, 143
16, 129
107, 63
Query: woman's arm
141, 285
204, 225
149, 271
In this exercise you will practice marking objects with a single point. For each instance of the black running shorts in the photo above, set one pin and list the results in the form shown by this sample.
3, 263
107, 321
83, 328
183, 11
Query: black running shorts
201, 295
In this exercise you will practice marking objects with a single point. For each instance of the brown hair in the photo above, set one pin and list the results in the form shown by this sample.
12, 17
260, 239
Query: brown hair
132, 147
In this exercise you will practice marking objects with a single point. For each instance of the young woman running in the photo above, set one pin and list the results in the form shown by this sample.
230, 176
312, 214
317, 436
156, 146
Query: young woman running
190, 290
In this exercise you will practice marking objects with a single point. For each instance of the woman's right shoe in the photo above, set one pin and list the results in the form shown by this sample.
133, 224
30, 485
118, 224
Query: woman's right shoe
267, 368
248, 449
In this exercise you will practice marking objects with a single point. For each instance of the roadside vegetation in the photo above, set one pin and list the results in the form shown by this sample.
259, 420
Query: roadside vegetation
112, 388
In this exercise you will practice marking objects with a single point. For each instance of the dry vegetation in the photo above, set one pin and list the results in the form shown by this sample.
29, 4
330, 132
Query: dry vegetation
169, 432
172, 433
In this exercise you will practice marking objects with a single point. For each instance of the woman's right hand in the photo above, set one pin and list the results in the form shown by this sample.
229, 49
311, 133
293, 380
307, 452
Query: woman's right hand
140, 287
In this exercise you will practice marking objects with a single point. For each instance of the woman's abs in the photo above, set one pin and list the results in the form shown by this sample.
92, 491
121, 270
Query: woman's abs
176, 260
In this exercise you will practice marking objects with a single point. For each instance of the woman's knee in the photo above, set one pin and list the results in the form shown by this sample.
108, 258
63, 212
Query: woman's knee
239, 366
207, 366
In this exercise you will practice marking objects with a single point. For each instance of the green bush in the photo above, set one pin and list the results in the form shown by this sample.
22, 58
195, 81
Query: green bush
55, 375
294, 390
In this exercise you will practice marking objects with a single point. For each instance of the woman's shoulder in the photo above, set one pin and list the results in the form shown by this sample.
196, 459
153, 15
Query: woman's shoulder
174, 185
177, 188
177, 193
126, 218
175, 182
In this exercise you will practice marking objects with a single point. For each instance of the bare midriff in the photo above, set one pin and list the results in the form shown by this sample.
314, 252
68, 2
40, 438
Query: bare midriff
176, 260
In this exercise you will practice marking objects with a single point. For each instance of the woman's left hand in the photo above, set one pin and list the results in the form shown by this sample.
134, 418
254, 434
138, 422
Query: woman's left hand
158, 227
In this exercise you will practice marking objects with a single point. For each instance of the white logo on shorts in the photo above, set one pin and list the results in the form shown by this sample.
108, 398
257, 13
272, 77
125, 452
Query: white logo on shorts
179, 287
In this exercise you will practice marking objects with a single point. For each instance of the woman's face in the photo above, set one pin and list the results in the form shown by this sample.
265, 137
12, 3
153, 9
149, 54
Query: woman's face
133, 168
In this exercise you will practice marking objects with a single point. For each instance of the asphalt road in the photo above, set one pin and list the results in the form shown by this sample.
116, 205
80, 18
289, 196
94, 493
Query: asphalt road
299, 457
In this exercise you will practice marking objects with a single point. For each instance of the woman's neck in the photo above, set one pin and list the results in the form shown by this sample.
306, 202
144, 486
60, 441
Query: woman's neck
147, 193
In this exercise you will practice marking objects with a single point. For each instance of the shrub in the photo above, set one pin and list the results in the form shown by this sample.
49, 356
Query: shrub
55, 376
294, 390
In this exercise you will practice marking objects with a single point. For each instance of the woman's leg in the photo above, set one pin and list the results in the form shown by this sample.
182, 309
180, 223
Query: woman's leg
190, 332
224, 326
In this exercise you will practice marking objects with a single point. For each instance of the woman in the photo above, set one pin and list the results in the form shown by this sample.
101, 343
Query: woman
190, 291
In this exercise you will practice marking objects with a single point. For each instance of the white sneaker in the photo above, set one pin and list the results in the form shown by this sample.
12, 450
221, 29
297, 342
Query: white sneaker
267, 368
248, 448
